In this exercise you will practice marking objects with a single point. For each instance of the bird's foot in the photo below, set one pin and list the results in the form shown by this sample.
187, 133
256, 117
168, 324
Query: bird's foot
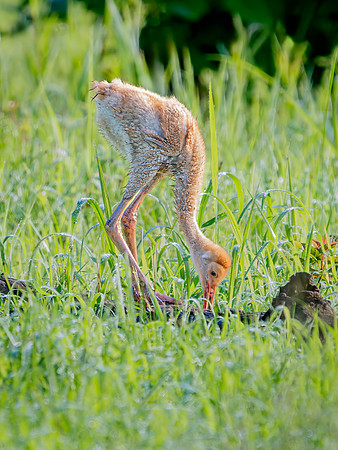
166, 300
163, 300
138, 297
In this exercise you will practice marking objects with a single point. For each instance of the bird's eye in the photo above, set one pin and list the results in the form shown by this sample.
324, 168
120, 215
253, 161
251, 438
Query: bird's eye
213, 273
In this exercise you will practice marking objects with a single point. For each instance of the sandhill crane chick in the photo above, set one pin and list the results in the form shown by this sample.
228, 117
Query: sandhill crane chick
159, 137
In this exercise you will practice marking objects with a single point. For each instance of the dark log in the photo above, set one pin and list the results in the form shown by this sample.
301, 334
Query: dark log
16, 287
303, 299
300, 296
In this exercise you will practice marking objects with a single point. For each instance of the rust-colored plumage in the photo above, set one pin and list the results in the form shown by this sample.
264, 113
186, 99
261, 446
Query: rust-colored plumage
159, 137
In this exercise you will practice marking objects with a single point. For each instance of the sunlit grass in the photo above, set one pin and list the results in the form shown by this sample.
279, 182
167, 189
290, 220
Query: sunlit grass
80, 379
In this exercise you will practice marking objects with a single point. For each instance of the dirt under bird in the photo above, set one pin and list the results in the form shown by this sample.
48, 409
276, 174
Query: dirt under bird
159, 137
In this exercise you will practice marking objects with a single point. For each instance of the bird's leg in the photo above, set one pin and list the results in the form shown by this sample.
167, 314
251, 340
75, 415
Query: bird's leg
129, 224
130, 214
113, 229
141, 174
129, 227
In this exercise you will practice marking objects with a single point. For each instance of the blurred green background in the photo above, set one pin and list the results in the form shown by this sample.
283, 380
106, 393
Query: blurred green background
207, 28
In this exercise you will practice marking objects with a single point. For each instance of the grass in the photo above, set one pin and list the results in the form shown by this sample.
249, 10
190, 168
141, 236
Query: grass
81, 380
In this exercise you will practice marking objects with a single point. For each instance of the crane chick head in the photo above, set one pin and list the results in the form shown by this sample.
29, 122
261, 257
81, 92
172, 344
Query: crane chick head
212, 263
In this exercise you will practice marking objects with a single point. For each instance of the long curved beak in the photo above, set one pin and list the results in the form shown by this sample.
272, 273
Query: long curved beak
209, 295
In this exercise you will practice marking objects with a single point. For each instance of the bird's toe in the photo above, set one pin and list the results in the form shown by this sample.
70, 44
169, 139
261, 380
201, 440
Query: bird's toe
166, 300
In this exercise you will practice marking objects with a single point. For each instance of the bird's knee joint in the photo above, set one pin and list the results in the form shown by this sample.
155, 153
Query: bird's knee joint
112, 228
129, 220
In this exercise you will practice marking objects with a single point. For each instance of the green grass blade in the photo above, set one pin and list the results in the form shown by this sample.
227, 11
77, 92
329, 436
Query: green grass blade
104, 191
2, 253
330, 95
307, 249
62, 235
213, 144
293, 215
203, 204
90, 108
99, 215
232, 219
239, 191
53, 119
